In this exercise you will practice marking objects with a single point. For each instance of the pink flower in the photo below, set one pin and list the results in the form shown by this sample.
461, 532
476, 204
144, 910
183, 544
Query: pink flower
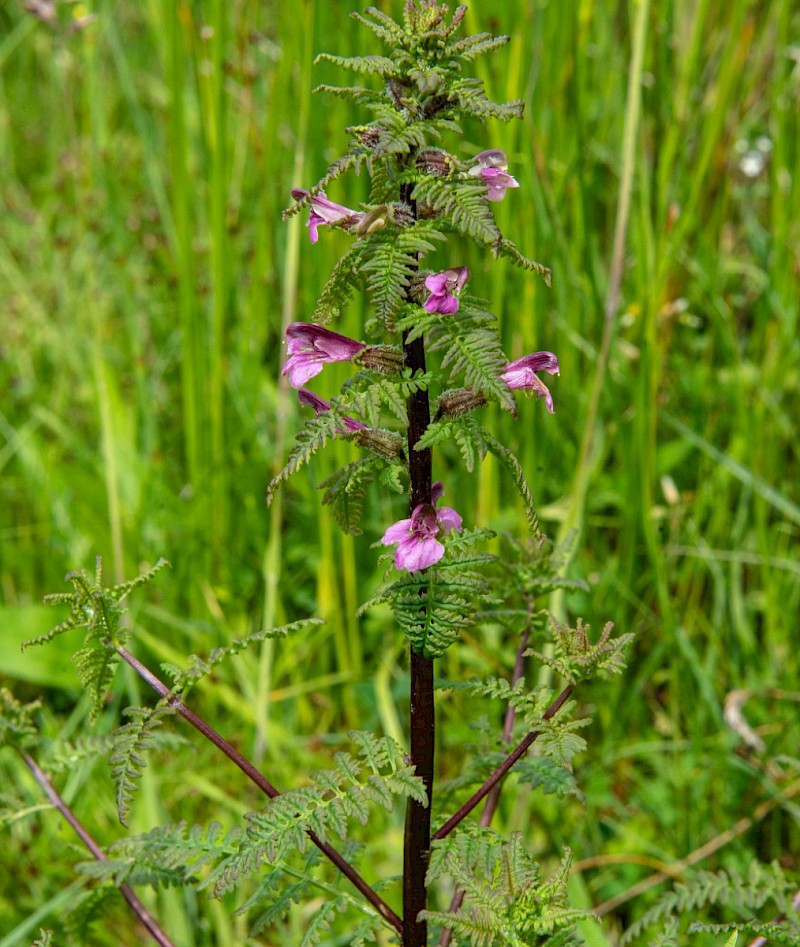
491, 167
521, 374
444, 289
324, 211
310, 347
417, 545
310, 400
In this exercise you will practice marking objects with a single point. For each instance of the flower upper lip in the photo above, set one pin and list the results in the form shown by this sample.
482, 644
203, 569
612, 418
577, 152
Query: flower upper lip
324, 211
311, 346
522, 374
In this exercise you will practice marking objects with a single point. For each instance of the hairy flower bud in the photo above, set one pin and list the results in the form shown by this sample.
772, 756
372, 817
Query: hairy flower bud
367, 135
386, 443
386, 359
437, 162
458, 401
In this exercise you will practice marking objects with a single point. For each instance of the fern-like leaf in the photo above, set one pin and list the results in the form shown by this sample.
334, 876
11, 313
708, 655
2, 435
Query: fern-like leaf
389, 261
339, 288
383, 26
373, 65
325, 806
506, 900
471, 99
201, 667
314, 436
461, 201
506, 248
469, 48
131, 743
434, 605
745, 896
575, 657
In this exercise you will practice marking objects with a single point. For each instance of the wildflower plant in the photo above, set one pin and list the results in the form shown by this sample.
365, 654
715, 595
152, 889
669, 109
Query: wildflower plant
430, 366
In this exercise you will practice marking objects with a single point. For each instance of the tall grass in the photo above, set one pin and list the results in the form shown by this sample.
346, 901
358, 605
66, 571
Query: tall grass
145, 280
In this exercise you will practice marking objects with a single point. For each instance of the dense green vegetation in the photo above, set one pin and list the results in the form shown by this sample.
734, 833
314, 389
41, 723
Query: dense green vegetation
145, 281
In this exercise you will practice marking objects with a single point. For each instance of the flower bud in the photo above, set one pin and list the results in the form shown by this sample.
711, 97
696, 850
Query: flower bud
458, 401
437, 162
386, 359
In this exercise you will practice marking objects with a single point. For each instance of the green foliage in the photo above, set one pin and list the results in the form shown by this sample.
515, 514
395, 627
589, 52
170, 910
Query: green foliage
507, 900
434, 605
331, 798
339, 288
559, 739
17, 727
95, 607
318, 431
576, 658
474, 442
744, 896
389, 260
92, 605
45, 939
201, 667
131, 742
88, 911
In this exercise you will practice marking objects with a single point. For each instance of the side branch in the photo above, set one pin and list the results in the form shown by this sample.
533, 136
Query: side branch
146, 918
260, 780
503, 768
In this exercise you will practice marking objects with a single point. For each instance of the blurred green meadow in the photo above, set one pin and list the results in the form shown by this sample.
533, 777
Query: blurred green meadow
146, 154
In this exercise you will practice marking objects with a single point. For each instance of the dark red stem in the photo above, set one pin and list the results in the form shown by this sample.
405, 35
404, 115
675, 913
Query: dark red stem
263, 784
126, 891
521, 749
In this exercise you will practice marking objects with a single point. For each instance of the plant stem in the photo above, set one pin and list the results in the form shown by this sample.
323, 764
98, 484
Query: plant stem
260, 780
126, 891
422, 725
521, 749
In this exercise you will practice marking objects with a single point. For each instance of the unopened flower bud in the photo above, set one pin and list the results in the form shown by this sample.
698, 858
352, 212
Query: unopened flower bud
437, 162
386, 359
398, 91
386, 443
401, 215
372, 221
458, 401
367, 135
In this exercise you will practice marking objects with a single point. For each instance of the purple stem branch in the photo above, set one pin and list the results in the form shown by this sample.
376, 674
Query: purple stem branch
520, 750
145, 917
260, 780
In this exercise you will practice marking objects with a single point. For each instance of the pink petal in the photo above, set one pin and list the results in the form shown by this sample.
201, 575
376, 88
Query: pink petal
397, 532
448, 518
414, 554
